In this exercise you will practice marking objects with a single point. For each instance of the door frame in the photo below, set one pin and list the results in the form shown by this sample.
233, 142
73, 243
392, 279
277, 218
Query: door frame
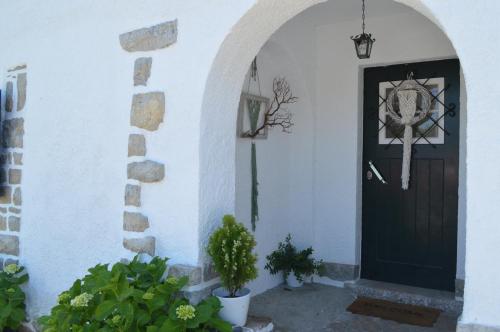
461, 203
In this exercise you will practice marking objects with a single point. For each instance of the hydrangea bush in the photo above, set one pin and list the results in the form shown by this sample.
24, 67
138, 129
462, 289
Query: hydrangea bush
231, 248
12, 307
131, 297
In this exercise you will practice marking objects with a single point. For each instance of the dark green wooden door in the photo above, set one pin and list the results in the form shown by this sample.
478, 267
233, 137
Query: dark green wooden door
410, 237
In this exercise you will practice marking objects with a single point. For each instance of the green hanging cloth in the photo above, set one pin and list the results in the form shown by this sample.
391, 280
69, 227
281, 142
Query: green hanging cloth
255, 190
253, 113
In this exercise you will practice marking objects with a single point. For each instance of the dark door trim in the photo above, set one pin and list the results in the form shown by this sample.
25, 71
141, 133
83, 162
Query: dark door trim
449, 152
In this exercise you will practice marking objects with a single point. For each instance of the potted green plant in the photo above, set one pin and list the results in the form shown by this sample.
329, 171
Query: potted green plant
231, 249
294, 264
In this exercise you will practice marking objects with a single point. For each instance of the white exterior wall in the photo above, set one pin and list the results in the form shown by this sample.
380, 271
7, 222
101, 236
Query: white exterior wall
79, 90
284, 164
77, 124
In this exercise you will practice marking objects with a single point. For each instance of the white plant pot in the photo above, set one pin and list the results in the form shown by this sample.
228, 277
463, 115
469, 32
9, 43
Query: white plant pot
234, 309
292, 281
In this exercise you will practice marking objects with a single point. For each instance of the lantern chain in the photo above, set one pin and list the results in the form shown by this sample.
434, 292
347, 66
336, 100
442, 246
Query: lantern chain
363, 15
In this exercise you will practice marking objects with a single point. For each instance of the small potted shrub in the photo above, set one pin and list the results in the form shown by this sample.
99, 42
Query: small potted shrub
294, 264
230, 248
12, 307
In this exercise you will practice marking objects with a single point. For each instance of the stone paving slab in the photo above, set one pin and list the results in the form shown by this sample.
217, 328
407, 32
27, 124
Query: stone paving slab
318, 308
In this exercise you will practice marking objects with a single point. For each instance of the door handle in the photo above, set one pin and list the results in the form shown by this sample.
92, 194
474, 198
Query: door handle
377, 173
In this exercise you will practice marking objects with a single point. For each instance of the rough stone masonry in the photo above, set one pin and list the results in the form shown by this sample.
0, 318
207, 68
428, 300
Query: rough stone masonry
146, 115
11, 163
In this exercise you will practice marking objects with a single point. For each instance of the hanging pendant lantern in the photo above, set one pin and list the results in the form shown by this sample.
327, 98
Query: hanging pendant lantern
363, 42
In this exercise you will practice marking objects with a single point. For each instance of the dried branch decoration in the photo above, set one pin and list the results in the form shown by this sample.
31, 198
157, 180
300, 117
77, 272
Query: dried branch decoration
276, 115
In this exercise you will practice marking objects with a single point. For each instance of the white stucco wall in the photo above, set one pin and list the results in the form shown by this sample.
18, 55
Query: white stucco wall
75, 153
79, 90
284, 166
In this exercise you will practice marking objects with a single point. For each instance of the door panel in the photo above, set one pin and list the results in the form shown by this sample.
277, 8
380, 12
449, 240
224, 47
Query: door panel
409, 237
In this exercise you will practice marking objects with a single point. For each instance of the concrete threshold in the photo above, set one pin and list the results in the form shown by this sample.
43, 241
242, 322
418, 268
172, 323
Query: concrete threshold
406, 294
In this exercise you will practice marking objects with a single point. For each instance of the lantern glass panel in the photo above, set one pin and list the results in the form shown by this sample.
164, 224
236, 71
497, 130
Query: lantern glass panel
363, 48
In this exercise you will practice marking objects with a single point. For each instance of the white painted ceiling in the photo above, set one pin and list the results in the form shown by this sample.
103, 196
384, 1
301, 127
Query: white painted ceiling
346, 10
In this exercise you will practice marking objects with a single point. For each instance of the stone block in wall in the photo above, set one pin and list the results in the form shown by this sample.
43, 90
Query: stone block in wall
148, 110
9, 245
132, 195
135, 222
152, 38
140, 245
17, 197
13, 132
192, 272
14, 210
136, 145
17, 67
18, 158
142, 71
9, 97
209, 272
3, 176
5, 195
6, 158
14, 224
196, 296
146, 171
15, 176
341, 272
3, 223
21, 91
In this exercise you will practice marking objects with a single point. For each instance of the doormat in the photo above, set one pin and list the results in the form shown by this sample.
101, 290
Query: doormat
398, 312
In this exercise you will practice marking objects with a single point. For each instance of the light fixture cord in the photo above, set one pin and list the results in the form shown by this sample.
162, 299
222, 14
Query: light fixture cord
363, 15
254, 75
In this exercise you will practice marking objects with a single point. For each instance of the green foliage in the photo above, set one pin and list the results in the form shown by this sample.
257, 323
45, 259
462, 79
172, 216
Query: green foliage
287, 259
131, 297
231, 248
12, 307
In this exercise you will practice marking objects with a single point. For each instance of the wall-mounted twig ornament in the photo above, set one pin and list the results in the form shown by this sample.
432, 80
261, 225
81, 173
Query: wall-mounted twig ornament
275, 114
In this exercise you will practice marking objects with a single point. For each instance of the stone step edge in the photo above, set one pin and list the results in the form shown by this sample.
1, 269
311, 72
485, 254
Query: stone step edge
451, 305
256, 324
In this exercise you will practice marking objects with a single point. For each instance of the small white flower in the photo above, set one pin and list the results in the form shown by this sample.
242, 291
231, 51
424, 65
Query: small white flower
81, 300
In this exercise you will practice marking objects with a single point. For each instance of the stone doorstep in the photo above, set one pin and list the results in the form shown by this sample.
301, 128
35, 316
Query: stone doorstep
256, 324
406, 294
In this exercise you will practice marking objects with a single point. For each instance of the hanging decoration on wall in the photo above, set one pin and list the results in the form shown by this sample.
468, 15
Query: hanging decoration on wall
363, 42
256, 115
409, 114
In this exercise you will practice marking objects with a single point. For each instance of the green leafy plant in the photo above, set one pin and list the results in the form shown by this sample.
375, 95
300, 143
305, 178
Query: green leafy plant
12, 307
131, 297
289, 259
231, 248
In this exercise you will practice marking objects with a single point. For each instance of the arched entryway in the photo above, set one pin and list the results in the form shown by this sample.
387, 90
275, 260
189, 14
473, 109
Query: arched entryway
222, 96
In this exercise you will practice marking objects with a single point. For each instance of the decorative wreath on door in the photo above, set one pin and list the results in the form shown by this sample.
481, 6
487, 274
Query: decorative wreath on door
409, 114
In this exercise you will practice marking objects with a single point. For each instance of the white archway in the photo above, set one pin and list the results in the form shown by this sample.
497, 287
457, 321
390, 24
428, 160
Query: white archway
221, 97
218, 119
